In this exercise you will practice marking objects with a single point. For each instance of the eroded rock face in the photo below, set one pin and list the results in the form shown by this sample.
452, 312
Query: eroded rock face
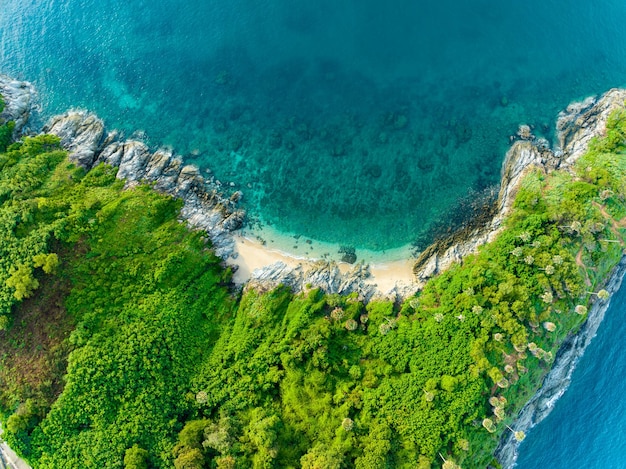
584, 120
576, 126
321, 274
20, 99
558, 379
83, 134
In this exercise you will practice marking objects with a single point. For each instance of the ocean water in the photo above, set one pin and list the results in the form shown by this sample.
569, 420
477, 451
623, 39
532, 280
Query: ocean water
587, 427
355, 122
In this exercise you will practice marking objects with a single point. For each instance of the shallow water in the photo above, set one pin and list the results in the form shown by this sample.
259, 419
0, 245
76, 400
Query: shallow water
587, 427
351, 122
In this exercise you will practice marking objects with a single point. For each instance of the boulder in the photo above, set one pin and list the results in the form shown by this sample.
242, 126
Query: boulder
20, 104
81, 133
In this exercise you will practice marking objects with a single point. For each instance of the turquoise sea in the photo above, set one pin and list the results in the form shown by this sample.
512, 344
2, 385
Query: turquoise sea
364, 123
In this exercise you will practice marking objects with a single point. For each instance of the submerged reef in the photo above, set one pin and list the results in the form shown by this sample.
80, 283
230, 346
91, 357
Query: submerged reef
306, 365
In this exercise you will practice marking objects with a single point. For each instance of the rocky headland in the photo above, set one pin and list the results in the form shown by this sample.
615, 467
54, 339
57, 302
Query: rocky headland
89, 143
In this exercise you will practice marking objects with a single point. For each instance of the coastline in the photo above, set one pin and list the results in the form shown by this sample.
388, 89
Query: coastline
205, 208
557, 380
83, 134
251, 257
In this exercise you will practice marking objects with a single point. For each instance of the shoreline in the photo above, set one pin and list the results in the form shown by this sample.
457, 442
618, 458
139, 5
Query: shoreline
557, 380
251, 256
259, 264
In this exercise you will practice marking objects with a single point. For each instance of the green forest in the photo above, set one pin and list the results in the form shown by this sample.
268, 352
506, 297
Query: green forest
124, 344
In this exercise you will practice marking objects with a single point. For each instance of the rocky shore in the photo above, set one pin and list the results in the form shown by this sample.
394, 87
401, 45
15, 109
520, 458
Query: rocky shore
89, 143
558, 379
576, 127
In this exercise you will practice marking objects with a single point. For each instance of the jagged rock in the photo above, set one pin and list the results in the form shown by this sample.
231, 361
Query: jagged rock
575, 127
81, 134
582, 121
325, 275
20, 104
166, 181
522, 156
157, 164
189, 177
275, 274
524, 132
135, 158
112, 154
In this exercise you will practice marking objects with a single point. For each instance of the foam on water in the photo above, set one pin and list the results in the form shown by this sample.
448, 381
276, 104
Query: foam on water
349, 122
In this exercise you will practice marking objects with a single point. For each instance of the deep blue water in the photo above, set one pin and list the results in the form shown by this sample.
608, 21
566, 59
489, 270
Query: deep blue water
587, 427
357, 122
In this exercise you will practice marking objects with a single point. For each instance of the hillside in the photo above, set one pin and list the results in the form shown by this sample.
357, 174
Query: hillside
124, 343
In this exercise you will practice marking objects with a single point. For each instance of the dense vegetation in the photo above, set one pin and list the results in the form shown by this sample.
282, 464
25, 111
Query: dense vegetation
166, 367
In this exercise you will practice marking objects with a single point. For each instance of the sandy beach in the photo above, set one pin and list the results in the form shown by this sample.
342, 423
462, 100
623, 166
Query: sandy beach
252, 255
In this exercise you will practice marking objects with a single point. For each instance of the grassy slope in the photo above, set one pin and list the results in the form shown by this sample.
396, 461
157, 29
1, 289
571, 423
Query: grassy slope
167, 368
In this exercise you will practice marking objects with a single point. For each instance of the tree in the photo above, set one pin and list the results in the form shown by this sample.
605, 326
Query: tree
48, 262
136, 458
190, 458
23, 282
321, 457
602, 294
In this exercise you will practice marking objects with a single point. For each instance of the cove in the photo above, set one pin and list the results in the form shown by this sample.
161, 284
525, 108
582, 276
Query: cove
345, 122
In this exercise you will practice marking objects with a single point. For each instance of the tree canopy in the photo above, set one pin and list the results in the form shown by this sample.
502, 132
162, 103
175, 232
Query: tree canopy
165, 364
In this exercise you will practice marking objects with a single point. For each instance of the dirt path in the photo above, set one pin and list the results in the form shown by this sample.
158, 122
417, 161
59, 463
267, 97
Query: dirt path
580, 263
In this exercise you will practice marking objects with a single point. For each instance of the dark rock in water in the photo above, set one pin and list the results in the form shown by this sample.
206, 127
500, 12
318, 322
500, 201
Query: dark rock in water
425, 164
348, 254
462, 133
373, 170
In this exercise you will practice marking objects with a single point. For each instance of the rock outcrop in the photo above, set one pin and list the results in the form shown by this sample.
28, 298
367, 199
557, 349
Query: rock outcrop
84, 135
585, 120
321, 274
576, 127
20, 99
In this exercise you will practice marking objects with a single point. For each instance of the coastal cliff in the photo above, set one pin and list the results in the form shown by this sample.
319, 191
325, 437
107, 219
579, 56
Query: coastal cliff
576, 127
84, 135
88, 144
558, 379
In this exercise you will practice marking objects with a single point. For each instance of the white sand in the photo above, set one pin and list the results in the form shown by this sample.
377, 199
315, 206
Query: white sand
254, 255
